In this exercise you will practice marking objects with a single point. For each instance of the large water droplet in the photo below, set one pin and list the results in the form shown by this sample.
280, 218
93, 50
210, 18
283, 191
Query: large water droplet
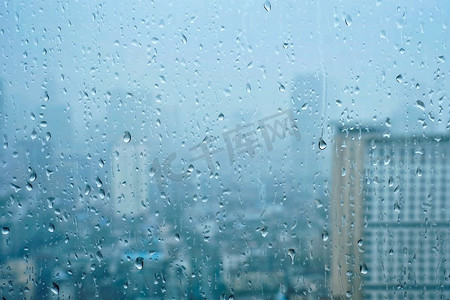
127, 137
363, 269
399, 78
33, 134
348, 20
55, 288
139, 263
32, 177
5, 230
221, 117
267, 5
322, 144
418, 172
291, 253
420, 105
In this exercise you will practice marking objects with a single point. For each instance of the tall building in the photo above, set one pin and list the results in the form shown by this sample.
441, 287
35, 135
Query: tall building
390, 217
346, 215
129, 182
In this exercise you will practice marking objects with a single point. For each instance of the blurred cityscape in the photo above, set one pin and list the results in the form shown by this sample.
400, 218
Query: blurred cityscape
274, 209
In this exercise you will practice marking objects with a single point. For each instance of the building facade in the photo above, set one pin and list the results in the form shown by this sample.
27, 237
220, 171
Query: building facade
389, 216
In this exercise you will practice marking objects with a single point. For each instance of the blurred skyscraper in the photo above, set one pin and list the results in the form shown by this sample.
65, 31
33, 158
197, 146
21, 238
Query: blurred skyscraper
307, 100
129, 186
389, 216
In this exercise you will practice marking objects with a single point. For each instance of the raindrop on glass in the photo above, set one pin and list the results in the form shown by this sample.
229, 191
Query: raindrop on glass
363, 269
348, 20
291, 253
55, 288
322, 144
267, 5
127, 137
5, 230
32, 177
139, 263
418, 172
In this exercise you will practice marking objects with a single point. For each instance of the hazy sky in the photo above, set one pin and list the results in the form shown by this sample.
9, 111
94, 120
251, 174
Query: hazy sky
201, 58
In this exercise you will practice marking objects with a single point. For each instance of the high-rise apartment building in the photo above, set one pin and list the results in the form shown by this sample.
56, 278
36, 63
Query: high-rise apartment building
389, 216
129, 186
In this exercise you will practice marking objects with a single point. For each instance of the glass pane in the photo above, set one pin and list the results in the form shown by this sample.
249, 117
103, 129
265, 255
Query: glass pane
224, 150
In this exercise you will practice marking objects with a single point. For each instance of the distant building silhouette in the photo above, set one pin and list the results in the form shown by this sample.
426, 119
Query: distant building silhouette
389, 216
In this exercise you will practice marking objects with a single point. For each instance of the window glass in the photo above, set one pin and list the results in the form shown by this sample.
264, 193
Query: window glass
224, 150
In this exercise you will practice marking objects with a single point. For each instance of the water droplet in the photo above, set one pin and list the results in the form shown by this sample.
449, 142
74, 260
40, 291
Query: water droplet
442, 58
360, 243
127, 137
322, 144
325, 235
248, 88
48, 136
190, 169
99, 182
55, 288
33, 134
281, 88
15, 187
391, 181
46, 96
319, 203
177, 237
291, 253
221, 117
399, 78
183, 39
264, 231
231, 297
420, 105
348, 20
87, 189
29, 186
32, 177
5, 230
363, 269
99, 255
139, 263
267, 5
51, 227
418, 172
